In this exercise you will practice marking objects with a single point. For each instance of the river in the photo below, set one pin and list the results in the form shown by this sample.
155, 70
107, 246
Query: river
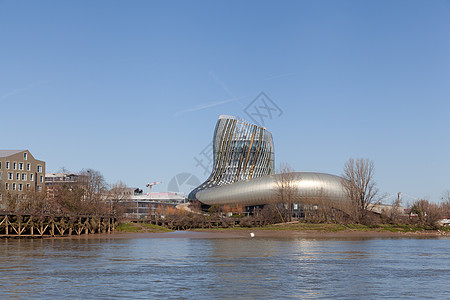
189, 267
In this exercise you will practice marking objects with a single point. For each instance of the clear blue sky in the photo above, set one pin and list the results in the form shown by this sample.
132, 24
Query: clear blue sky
134, 88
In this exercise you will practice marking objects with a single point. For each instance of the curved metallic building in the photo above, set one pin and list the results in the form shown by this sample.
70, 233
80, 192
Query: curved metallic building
241, 151
244, 166
264, 190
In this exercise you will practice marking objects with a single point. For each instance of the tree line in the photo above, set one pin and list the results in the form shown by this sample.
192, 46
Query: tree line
91, 195
363, 197
88, 195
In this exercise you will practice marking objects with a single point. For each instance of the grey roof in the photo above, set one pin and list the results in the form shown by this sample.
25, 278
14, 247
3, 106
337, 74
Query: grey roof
6, 153
59, 174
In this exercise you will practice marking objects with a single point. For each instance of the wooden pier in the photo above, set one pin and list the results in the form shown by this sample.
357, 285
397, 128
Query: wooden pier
27, 226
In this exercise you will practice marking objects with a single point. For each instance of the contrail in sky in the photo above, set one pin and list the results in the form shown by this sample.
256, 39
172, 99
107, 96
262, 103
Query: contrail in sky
19, 90
224, 87
204, 106
221, 83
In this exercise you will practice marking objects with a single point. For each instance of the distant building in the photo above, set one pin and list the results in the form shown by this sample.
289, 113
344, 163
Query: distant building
137, 205
144, 206
19, 172
387, 209
53, 181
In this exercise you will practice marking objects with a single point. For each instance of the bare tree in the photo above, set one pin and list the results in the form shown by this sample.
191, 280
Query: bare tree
117, 196
35, 203
94, 183
270, 214
63, 170
95, 188
359, 184
11, 202
395, 213
445, 205
427, 213
287, 192
195, 206
70, 200
320, 209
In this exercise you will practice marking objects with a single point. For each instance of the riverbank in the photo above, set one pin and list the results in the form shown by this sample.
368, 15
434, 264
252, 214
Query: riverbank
286, 230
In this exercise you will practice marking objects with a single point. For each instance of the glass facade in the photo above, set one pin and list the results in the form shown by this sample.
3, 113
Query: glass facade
241, 151
243, 170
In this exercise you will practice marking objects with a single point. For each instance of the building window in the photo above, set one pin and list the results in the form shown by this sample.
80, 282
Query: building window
28, 167
24, 176
25, 156
31, 177
7, 164
7, 186
20, 166
39, 188
20, 187
39, 169
42, 179
14, 186
0, 164
0, 175
18, 176
28, 186
14, 166
10, 176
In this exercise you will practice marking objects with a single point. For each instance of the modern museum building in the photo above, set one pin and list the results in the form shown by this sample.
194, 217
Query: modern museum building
244, 170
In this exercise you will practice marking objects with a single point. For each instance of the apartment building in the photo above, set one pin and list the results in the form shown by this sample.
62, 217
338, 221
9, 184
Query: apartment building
54, 181
20, 172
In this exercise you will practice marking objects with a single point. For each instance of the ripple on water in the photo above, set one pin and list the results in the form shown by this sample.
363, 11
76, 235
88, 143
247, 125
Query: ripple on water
224, 268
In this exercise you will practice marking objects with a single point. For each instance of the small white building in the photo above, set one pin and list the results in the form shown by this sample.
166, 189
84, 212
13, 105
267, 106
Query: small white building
143, 206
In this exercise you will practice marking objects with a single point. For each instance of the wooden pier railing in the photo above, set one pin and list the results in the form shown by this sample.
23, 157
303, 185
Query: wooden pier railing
12, 225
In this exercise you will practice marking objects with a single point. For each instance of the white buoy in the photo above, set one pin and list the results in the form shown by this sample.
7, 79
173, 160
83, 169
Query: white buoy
252, 234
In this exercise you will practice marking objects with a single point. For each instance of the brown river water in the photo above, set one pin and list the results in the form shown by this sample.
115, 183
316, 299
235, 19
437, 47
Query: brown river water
189, 266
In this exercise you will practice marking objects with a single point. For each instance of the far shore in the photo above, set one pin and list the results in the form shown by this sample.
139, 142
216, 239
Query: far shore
271, 233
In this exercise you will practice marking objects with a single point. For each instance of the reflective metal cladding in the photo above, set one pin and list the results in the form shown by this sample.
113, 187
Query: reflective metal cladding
241, 151
243, 169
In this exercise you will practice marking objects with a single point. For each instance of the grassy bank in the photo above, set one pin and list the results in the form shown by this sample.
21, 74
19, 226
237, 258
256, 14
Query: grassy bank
338, 228
132, 227
140, 227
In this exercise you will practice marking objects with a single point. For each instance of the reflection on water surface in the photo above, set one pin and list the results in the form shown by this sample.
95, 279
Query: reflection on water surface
189, 268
